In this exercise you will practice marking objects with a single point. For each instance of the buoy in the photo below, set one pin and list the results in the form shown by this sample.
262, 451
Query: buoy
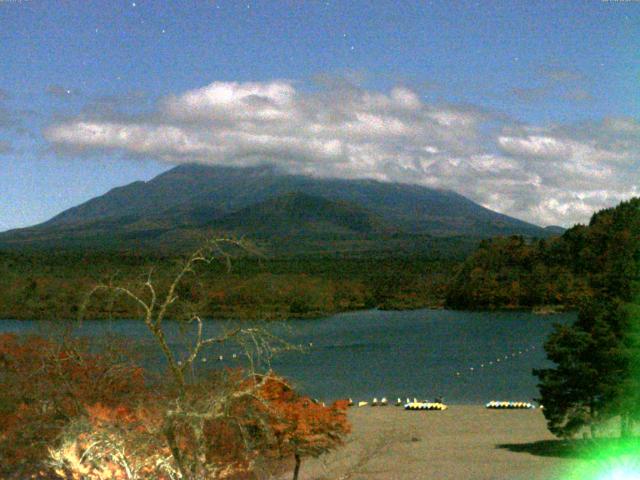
234, 356
220, 358
398, 402
383, 402
204, 359
350, 402
374, 403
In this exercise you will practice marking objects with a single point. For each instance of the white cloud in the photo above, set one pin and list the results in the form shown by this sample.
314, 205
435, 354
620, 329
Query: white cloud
542, 174
535, 146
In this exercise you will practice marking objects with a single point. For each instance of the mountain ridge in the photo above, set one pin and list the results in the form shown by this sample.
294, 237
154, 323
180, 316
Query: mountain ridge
192, 200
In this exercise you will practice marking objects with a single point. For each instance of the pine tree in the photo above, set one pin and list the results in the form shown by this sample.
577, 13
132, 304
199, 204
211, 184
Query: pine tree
597, 359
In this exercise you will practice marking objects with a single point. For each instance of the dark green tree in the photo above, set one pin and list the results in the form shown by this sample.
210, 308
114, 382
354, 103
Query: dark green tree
583, 387
597, 359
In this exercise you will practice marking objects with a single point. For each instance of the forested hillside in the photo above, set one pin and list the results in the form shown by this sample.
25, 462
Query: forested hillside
518, 273
50, 286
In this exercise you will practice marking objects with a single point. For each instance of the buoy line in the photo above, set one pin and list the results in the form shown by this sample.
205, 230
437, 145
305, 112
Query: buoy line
499, 359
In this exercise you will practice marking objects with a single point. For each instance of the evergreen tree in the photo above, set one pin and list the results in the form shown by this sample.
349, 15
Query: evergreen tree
597, 359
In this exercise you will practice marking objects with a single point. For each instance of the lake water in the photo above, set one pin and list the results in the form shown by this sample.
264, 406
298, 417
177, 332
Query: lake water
466, 357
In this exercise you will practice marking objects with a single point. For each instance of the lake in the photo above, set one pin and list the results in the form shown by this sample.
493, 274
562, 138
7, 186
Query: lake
465, 357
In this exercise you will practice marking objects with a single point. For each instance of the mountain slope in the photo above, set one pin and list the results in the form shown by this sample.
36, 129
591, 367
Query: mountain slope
191, 201
301, 213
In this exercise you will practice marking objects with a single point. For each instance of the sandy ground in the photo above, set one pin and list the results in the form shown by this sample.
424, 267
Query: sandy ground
463, 442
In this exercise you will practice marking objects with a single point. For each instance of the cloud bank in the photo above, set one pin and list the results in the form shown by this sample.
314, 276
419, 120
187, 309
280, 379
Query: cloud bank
544, 174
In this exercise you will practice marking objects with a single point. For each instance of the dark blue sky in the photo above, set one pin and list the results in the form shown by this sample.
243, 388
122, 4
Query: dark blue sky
540, 80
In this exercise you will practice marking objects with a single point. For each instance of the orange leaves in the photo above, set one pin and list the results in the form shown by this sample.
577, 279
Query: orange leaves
301, 425
92, 417
44, 385
100, 414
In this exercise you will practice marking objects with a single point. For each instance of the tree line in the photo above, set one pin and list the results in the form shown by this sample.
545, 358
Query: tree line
596, 376
52, 285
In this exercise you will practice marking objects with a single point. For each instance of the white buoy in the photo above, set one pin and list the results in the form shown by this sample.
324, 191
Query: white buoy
234, 356
374, 403
220, 358
398, 402
383, 402
350, 402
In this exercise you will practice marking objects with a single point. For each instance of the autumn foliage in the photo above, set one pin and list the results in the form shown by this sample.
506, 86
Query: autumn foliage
301, 425
67, 413
44, 385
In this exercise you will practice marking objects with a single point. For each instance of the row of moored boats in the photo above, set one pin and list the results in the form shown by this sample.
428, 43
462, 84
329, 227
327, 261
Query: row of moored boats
416, 404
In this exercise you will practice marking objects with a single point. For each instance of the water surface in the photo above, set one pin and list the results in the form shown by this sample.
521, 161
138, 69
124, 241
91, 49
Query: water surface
466, 357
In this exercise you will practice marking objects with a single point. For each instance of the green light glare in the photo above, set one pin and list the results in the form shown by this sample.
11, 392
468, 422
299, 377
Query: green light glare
612, 460
621, 474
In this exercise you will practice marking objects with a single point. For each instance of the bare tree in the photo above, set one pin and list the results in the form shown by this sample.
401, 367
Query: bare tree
193, 409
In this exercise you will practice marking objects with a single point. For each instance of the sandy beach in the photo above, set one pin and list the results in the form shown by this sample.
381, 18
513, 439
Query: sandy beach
463, 442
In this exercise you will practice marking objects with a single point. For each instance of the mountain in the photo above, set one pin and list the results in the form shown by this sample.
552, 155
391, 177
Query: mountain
181, 206
554, 230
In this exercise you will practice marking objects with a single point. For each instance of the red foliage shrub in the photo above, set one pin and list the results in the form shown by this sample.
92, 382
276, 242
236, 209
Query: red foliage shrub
65, 411
46, 384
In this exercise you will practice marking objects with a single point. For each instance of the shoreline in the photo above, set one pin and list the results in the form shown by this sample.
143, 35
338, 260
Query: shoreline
542, 311
464, 441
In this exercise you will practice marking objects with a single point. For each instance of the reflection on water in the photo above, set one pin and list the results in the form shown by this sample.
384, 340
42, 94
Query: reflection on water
467, 357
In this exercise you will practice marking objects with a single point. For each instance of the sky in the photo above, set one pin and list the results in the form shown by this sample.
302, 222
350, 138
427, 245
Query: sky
530, 108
